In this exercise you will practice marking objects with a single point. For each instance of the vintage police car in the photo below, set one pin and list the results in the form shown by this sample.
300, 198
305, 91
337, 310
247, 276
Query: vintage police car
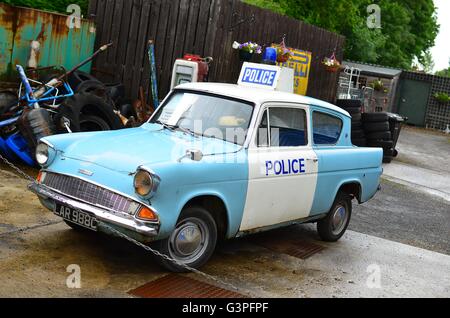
215, 161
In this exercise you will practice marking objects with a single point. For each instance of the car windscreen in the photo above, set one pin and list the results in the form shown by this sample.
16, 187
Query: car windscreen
206, 115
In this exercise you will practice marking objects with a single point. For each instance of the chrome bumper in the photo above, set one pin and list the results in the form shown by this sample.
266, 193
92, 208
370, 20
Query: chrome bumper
50, 198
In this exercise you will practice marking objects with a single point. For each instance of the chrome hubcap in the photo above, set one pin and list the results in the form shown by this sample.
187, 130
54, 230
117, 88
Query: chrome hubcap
189, 240
339, 219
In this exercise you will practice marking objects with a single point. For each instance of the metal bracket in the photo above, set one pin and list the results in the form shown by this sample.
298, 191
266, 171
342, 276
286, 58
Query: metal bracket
242, 20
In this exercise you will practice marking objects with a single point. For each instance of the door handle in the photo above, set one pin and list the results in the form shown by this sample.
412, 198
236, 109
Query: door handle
313, 159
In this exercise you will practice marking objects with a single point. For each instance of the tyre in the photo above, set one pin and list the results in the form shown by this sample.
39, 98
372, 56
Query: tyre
93, 123
374, 117
353, 110
334, 225
81, 105
375, 127
346, 103
192, 242
385, 144
356, 117
7, 100
380, 135
93, 87
387, 159
357, 125
359, 142
78, 77
358, 133
388, 152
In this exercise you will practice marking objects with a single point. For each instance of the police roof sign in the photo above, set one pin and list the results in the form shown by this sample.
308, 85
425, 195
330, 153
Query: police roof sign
266, 76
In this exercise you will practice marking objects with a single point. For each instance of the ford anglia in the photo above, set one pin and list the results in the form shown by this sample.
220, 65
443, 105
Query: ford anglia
215, 161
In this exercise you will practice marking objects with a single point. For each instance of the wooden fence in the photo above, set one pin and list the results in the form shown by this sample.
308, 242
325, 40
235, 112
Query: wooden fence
204, 27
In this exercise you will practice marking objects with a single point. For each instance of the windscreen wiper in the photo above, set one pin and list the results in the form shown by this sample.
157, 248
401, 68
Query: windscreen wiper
167, 126
176, 127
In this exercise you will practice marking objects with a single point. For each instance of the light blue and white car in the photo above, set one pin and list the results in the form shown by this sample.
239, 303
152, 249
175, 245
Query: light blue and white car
215, 161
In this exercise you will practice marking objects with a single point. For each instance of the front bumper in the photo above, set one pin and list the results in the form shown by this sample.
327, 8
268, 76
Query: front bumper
139, 230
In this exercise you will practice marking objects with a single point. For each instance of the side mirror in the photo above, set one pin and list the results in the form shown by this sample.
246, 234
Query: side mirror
194, 154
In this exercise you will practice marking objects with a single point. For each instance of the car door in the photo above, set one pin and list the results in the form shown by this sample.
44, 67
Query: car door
282, 167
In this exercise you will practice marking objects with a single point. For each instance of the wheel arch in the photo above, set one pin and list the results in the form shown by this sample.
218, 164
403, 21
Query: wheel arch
216, 205
351, 187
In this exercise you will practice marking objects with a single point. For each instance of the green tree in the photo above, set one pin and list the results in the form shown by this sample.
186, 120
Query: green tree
50, 5
427, 62
408, 27
444, 72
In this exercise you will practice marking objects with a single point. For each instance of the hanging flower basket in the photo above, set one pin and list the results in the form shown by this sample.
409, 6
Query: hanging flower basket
331, 64
333, 69
247, 49
283, 53
245, 56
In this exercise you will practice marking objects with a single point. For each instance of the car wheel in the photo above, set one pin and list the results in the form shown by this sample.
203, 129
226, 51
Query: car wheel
191, 243
334, 225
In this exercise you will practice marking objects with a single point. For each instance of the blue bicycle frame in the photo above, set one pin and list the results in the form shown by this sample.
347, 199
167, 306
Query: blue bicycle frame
15, 146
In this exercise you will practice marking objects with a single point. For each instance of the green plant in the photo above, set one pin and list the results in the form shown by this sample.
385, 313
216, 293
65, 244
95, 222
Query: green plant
249, 47
50, 5
442, 97
378, 86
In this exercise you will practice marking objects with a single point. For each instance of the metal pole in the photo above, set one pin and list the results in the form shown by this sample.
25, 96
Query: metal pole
154, 84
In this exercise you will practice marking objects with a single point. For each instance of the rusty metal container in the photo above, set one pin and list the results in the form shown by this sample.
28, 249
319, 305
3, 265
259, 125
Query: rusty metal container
59, 44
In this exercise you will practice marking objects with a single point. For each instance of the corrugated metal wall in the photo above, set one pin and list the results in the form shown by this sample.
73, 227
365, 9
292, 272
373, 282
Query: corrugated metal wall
60, 45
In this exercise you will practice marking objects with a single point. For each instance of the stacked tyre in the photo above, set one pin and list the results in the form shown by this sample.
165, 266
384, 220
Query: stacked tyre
353, 107
378, 134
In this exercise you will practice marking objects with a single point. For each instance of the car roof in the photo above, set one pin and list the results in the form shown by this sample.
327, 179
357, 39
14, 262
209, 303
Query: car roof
258, 95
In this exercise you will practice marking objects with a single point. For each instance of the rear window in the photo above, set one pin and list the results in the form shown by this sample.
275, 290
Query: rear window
326, 128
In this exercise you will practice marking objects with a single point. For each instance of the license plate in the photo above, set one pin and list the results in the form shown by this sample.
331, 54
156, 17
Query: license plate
75, 216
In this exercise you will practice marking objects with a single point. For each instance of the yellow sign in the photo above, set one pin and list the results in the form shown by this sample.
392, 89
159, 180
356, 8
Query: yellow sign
301, 63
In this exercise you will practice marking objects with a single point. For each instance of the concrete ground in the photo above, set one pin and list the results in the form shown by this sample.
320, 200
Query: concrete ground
398, 245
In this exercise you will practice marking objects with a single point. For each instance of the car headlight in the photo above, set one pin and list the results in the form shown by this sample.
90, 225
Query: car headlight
145, 183
44, 154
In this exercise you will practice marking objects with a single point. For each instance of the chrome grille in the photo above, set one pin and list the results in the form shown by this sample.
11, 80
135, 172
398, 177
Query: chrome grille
90, 193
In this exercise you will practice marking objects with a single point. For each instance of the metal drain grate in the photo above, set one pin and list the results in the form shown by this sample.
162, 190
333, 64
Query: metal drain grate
296, 248
177, 286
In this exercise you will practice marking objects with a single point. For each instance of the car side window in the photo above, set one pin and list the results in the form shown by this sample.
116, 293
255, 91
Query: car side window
326, 128
287, 128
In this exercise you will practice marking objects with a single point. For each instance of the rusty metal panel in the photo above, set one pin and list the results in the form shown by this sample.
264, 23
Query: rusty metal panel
177, 286
59, 44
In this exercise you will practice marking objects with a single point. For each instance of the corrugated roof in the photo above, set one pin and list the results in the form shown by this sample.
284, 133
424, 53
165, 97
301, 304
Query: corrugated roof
372, 69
